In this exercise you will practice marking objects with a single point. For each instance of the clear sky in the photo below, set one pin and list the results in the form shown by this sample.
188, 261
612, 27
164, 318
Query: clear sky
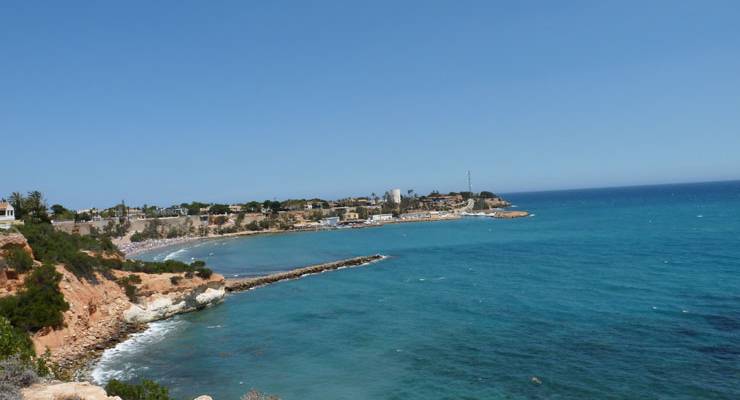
169, 101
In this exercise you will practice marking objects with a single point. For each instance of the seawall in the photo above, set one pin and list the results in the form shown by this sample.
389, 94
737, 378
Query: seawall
240, 284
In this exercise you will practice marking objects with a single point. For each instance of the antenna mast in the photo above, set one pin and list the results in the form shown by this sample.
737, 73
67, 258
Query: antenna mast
470, 186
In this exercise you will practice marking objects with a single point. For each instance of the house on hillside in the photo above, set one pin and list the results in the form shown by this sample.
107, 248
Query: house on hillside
7, 215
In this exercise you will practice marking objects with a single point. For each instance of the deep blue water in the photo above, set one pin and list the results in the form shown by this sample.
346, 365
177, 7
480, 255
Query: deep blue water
629, 293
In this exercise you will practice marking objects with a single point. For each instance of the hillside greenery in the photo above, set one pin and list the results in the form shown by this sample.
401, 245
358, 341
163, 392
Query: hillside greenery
17, 259
146, 390
38, 304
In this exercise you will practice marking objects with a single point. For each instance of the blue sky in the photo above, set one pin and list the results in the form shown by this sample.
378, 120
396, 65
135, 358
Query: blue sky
170, 101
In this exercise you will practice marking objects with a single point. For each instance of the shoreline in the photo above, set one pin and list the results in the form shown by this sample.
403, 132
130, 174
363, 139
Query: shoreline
84, 367
132, 249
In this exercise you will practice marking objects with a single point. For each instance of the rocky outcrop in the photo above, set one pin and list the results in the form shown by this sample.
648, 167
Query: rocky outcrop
510, 214
66, 390
497, 202
164, 306
14, 239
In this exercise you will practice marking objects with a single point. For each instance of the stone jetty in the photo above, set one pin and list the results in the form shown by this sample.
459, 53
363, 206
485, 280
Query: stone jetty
239, 284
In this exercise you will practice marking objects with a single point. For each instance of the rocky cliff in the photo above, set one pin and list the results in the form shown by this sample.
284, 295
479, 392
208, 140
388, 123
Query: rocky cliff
100, 313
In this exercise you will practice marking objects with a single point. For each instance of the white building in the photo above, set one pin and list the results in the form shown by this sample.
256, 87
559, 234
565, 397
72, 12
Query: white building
7, 215
7, 212
381, 217
330, 221
396, 196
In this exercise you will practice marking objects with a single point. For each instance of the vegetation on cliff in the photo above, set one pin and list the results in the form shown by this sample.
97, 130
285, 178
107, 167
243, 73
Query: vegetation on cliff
39, 304
18, 368
146, 390
17, 259
53, 246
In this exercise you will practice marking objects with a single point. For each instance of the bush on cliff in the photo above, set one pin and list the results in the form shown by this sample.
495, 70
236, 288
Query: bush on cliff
18, 259
204, 273
39, 304
137, 237
127, 283
14, 342
17, 369
146, 390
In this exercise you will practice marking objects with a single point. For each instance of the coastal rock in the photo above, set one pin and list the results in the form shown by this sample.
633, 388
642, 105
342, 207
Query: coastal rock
204, 397
15, 239
163, 306
66, 390
510, 214
100, 314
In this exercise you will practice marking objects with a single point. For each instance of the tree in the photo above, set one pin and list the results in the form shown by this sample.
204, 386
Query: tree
361, 212
31, 208
273, 206
218, 209
252, 207
16, 200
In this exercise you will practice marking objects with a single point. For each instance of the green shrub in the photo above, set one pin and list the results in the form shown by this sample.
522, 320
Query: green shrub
137, 237
18, 259
146, 390
127, 284
14, 342
204, 273
39, 304
175, 280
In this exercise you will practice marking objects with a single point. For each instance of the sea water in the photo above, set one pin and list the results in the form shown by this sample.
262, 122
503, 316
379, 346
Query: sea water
629, 293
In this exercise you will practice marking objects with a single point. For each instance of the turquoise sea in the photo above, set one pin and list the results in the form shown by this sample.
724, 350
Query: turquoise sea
627, 293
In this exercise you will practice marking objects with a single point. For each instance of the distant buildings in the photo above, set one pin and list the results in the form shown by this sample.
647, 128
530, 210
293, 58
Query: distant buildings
396, 196
350, 216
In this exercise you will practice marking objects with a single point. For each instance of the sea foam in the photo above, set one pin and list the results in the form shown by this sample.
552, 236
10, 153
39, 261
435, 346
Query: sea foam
109, 365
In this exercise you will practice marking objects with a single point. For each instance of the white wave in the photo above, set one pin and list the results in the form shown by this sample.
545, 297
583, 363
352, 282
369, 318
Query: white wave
175, 254
112, 365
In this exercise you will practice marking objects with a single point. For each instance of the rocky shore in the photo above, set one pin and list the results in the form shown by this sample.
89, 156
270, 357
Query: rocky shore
100, 314
240, 284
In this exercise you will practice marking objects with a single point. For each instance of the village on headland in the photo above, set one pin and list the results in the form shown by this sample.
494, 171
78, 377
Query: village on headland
136, 229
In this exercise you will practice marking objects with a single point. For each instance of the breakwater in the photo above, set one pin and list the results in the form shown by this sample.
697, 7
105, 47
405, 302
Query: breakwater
240, 284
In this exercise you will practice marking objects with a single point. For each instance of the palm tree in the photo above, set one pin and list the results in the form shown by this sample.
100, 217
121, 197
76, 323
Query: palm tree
16, 200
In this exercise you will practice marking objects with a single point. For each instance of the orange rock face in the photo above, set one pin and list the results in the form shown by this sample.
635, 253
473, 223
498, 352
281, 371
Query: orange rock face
95, 318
